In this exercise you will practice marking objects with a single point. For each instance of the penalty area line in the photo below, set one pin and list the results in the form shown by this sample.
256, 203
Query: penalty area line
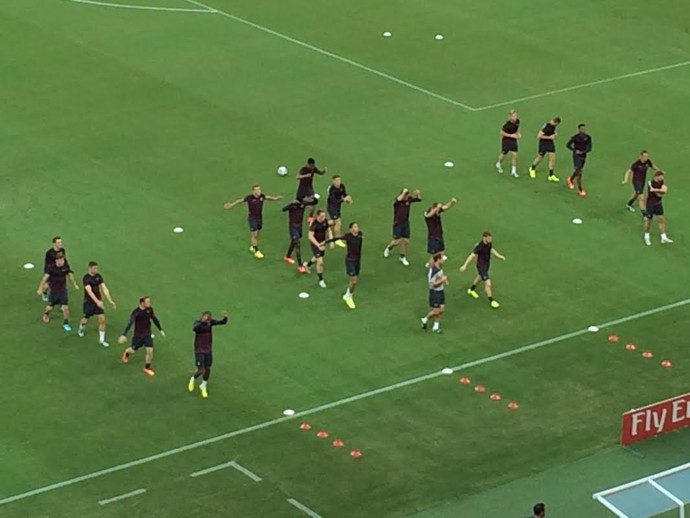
122, 497
208, 10
333, 404
303, 508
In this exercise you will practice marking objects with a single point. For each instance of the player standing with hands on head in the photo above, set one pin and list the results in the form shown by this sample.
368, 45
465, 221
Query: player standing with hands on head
141, 319
437, 297
510, 133
580, 144
305, 187
547, 146
482, 252
255, 205
656, 189
56, 278
337, 194
353, 258
434, 229
401, 223
203, 349
638, 171
93, 301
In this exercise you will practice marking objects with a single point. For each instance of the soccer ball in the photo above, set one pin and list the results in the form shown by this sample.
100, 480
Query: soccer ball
282, 171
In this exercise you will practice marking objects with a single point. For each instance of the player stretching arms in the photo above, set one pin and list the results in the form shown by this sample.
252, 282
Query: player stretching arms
353, 257
482, 252
434, 227
401, 223
437, 297
203, 349
547, 146
295, 210
657, 188
56, 277
337, 194
49, 261
580, 144
93, 301
317, 235
255, 205
638, 171
510, 133
141, 319
305, 187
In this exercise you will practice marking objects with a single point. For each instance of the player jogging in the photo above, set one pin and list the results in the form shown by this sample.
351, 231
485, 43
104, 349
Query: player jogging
510, 134
656, 189
401, 223
49, 261
255, 205
337, 194
482, 252
295, 210
353, 258
437, 297
56, 278
638, 171
580, 144
434, 227
547, 146
305, 187
141, 318
317, 235
203, 349
94, 291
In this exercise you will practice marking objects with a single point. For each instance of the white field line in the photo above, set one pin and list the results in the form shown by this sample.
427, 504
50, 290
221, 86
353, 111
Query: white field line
122, 497
333, 404
211, 469
303, 508
602, 500
245, 471
146, 7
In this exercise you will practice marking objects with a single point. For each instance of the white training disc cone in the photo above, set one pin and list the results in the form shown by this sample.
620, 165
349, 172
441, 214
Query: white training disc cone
438, 37
577, 221
592, 329
178, 230
29, 266
288, 412
387, 34
449, 164
447, 370
304, 295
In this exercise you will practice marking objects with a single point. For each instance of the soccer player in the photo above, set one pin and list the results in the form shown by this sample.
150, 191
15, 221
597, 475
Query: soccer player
638, 171
305, 187
295, 210
353, 258
49, 261
482, 252
255, 205
141, 319
580, 144
510, 133
539, 510
401, 223
337, 194
547, 146
437, 297
317, 235
434, 228
94, 291
656, 189
203, 349
56, 277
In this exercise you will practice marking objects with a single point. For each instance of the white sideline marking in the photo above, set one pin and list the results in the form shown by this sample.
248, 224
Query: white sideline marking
245, 471
303, 508
333, 404
583, 85
231, 464
122, 497
146, 7
336, 56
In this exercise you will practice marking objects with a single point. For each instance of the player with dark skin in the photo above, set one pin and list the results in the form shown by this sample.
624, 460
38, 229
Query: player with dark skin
305, 187
255, 204
203, 349
580, 144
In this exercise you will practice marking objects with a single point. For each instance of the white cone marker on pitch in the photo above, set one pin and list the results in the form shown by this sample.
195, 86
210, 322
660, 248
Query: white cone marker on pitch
577, 221
178, 230
449, 164
438, 37
29, 266
304, 295
288, 412
387, 34
592, 329
447, 370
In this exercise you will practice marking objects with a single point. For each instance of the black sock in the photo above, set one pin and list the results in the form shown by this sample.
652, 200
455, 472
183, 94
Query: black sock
320, 276
473, 287
491, 299
630, 203
147, 366
290, 249
310, 263
126, 354
47, 312
402, 256
550, 172
65, 321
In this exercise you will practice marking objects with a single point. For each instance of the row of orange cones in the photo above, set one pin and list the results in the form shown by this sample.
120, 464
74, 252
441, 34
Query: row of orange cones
645, 354
495, 396
337, 443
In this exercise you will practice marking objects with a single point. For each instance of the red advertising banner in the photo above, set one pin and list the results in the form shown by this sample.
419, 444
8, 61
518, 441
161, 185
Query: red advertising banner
657, 418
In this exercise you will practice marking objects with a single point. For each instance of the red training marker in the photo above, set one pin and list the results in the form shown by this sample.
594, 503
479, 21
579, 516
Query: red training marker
464, 380
666, 363
613, 338
322, 434
355, 454
647, 354
305, 426
496, 396
513, 405
630, 346
338, 443
479, 388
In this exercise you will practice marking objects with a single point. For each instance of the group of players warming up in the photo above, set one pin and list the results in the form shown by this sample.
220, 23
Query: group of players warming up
580, 145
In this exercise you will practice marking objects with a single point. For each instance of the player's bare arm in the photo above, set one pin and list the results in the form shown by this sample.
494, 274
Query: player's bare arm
467, 262
448, 205
42, 284
274, 198
93, 297
626, 176
313, 240
106, 294
231, 204
496, 254
70, 275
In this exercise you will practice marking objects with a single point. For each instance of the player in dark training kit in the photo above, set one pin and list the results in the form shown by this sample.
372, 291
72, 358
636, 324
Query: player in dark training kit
638, 171
56, 278
255, 205
94, 290
510, 133
437, 297
434, 228
203, 349
337, 194
305, 187
654, 207
580, 144
401, 223
141, 319
482, 252
295, 210
547, 146
317, 235
353, 258
49, 261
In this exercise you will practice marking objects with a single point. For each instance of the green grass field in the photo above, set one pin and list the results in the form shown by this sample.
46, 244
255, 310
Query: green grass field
119, 124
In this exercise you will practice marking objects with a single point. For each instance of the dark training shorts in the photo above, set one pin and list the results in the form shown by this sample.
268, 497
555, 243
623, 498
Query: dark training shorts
435, 245
546, 146
317, 251
303, 193
57, 298
203, 359
333, 212
141, 341
638, 188
401, 231
509, 144
90, 309
295, 233
654, 210
579, 162
352, 268
437, 298
483, 273
254, 224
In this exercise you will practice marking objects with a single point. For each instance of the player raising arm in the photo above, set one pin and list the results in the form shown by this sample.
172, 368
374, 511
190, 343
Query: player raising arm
255, 205
434, 227
353, 258
482, 252
401, 223
141, 318
337, 194
94, 291
437, 297
305, 186
203, 349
